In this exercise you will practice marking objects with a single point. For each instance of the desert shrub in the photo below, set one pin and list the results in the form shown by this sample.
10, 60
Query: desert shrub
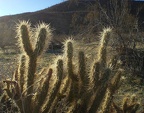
129, 105
132, 61
60, 84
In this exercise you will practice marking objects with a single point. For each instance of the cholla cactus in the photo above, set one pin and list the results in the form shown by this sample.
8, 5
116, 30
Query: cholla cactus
84, 91
26, 73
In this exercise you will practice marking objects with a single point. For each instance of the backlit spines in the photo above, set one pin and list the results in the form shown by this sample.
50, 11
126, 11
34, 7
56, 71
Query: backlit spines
24, 34
43, 36
83, 90
28, 63
69, 57
23, 73
56, 88
84, 78
102, 52
43, 93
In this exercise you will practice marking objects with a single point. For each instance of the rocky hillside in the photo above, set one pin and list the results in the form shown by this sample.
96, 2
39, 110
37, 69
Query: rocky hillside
59, 16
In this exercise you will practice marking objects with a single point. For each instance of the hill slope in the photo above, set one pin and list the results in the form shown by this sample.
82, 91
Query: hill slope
59, 16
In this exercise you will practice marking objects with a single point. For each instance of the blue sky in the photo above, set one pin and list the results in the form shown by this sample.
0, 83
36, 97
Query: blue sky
10, 7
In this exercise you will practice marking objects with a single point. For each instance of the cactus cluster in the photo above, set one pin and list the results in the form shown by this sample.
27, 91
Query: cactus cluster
32, 42
85, 91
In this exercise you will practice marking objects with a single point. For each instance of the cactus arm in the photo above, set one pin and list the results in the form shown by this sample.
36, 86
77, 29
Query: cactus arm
100, 92
102, 53
56, 89
40, 98
40, 42
22, 73
25, 39
82, 73
43, 37
110, 91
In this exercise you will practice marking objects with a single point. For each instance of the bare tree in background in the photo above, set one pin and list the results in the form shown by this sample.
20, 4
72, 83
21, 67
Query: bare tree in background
109, 13
116, 14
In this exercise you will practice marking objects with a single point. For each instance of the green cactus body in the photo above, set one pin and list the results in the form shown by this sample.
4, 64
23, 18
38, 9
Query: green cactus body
69, 54
100, 91
84, 84
72, 77
105, 37
24, 38
43, 36
110, 91
41, 96
22, 70
82, 72
59, 74
95, 74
